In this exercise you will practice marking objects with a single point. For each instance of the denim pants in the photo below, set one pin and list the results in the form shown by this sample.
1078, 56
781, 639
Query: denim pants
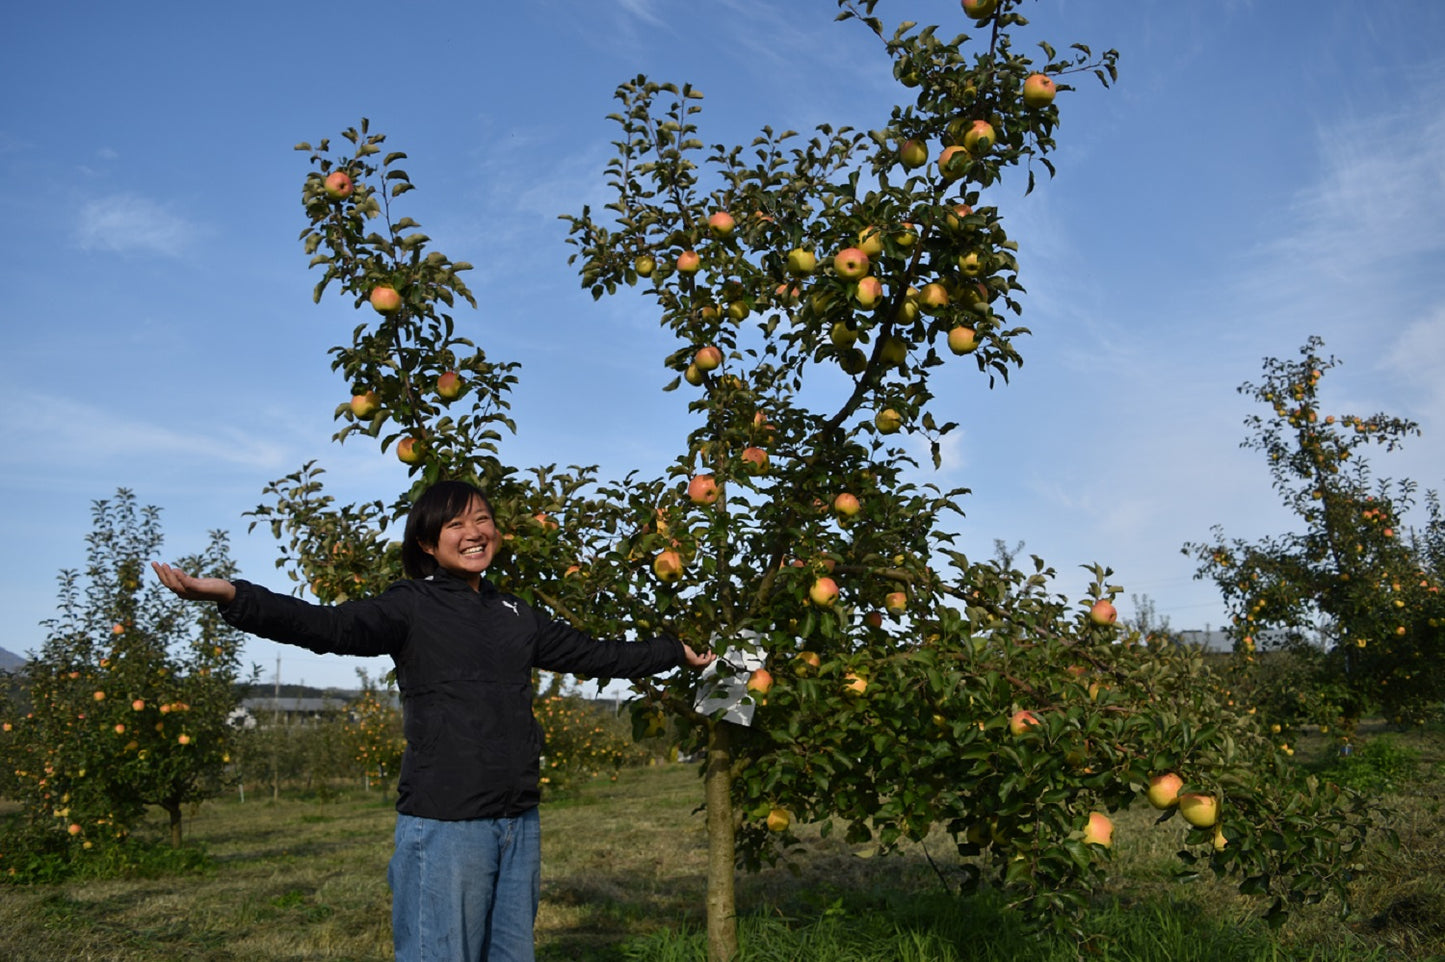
465, 891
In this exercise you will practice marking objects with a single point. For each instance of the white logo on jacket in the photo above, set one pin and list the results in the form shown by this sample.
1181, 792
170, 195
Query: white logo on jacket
512, 606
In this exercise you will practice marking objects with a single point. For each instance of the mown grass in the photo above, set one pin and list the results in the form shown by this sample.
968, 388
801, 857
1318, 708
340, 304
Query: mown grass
624, 881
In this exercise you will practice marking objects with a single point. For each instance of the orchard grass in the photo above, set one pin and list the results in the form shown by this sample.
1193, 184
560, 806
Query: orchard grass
623, 864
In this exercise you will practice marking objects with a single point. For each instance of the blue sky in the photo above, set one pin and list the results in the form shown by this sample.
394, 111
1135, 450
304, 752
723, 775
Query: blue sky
1263, 171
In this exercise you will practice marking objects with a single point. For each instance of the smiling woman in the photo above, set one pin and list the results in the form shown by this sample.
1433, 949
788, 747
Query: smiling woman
465, 872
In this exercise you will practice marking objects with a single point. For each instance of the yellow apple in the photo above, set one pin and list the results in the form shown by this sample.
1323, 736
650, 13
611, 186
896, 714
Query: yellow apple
980, 138
779, 820
1219, 841
888, 421
1199, 809
449, 385
693, 375
811, 659
1164, 790
667, 566
869, 293
933, 297
722, 223
801, 263
870, 241
644, 265
1021, 721
708, 358
1099, 831
913, 153
1103, 613
1038, 91
760, 682
846, 504
410, 449
979, 9
896, 602
842, 335
855, 684
950, 163
962, 340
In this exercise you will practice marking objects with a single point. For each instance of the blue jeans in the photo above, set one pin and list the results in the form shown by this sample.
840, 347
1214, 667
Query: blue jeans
465, 891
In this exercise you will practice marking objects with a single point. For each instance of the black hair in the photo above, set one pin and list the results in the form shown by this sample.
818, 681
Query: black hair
437, 505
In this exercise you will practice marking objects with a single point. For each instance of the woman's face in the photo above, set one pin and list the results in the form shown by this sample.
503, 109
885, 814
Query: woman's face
466, 543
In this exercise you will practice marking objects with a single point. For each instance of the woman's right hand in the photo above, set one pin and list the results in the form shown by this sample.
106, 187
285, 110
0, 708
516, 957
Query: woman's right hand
195, 589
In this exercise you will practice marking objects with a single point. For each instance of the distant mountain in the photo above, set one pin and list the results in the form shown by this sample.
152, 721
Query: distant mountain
10, 661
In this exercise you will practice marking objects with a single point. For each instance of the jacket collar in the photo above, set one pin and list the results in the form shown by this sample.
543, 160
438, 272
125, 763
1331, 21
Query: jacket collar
443, 578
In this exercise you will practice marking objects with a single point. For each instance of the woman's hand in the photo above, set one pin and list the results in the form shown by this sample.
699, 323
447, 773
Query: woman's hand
693, 660
195, 589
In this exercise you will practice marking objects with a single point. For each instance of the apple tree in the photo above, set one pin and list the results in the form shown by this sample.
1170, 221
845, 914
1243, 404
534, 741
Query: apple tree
127, 699
816, 285
1349, 606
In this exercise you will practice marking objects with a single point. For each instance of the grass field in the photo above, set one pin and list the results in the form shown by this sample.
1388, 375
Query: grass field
623, 880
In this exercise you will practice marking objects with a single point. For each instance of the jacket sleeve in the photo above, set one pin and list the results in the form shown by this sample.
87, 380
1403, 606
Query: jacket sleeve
369, 626
563, 648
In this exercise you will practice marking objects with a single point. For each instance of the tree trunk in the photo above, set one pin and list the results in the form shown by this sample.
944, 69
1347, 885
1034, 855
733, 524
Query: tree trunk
173, 809
722, 923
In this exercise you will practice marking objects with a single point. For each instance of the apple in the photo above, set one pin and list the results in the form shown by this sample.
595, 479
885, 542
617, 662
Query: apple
853, 361
869, 293
979, 9
737, 310
962, 340
688, 262
907, 237
755, 460
971, 263
786, 295
1164, 790
708, 358
722, 223
896, 602
933, 297
1038, 91
801, 263
870, 241
873, 619
949, 166
365, 405
385, 300
779, 820
760, 682
1198, 809
855, 684
913, 153
99, 696
117, 629
449, 385
644, 265
851, 263
184, 739
1103, 613
893, 351
810, 658
338, 185
1219, 841
410, 450
888, 421
667, 566
74, 829
846, 504
1021, 721
954, 220
980, 138
842, 335
1099, 831
703, 489
138, 705
824, 592
692, 375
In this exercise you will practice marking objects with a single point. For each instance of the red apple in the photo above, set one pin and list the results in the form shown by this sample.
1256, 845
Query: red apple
708, 358
950, 165
846, 504
385, 299
1099, 831
933, 297
850, 263
824, 592
980, 138
1103, 613
667, 566
722, 223
688, 262
962, 340
338, 185
869, 293
449, 385
703, 489
873, 619
760, 682
755, 460
855, 684
811, 659
410, 449
1021, 721
1038, 91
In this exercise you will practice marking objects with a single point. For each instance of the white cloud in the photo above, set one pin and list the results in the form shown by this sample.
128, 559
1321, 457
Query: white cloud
125, 223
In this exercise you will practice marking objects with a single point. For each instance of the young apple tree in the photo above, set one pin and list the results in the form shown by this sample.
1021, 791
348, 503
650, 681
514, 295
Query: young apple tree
127, 699
815, 287
1350, 605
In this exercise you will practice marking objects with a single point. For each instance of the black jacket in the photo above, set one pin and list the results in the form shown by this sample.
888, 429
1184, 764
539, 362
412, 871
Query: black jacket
464, 663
